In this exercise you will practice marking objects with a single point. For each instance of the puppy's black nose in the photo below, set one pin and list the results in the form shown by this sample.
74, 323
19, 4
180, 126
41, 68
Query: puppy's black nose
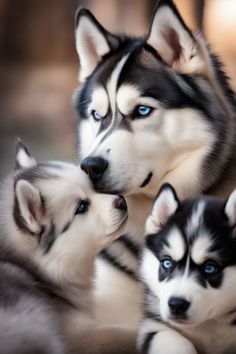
120, 203
178, 306
94, 166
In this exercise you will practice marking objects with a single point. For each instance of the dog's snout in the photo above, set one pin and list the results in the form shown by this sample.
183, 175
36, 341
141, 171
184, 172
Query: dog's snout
178, 306
120, 203
94, 167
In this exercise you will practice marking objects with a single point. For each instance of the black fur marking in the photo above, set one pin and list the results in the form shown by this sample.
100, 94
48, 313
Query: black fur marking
147, 342
129, 244
153, 316
233, 323
66, 227
48, 237
112, 260
147, 180
40, 171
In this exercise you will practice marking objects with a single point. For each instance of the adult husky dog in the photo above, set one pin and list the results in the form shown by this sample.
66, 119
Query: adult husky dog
188, 268
152, 110
52, 225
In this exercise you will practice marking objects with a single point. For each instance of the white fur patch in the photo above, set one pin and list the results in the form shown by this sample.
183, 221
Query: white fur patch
230, 208
200, 248
99, 102
196, 218
127, 98
112, 83
177, 247
149, 270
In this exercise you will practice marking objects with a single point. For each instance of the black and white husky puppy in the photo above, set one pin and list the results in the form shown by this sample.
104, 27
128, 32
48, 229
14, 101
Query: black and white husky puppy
152, 110
52, 225
188, 268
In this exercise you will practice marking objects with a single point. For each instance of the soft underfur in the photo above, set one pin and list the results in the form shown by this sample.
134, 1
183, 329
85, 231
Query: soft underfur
188, 267
52, 225
152, 110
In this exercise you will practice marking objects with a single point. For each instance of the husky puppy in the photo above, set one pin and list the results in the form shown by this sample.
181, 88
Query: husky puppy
188, 268
152, 110
52, 225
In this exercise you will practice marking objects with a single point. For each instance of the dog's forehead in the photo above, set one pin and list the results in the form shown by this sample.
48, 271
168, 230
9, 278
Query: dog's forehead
57, 179
197, 228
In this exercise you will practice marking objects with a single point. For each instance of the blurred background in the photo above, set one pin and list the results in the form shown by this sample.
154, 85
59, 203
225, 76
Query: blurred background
39, 65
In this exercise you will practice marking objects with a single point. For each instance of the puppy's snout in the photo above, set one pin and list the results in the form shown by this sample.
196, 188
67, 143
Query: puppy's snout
178, 306
120, 203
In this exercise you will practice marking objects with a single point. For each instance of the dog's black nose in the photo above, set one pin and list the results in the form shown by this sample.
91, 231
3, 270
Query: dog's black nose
120, 203
178, 306
94, 166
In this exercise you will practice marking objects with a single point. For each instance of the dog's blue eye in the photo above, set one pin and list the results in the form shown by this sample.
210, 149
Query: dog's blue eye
82, 207
210, 269
167, 264
96, 115
143, 111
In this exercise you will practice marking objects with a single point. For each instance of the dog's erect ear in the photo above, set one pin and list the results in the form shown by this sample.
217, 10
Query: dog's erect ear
230, 209
23, 159
165, 205
92, 42
173, 41
29, 207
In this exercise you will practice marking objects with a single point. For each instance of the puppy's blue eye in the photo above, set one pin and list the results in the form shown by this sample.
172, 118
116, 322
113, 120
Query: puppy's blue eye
82, 207
143, 111
167, 264
210, 268
97, 116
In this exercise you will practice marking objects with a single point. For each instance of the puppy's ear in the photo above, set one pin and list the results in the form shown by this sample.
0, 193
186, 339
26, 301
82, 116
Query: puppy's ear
173, 41
230, 209
92, 42
28, 210
165, 205
23, 159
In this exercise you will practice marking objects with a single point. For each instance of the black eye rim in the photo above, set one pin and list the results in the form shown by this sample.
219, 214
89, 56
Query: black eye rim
137, 115
218, 267
93, 114
82, 207
167, 258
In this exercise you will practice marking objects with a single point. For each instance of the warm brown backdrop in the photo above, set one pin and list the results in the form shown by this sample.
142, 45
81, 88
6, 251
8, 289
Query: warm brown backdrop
38, 63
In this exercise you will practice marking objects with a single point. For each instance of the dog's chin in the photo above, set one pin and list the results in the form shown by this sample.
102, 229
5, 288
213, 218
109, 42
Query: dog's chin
182, 322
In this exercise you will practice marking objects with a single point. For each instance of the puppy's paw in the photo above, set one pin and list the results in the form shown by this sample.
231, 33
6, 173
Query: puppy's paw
171, 342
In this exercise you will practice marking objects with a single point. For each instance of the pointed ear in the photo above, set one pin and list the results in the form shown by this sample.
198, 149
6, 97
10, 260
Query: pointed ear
28, 207
173, 41
230, 209
23, 159
92, 42
165, 205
